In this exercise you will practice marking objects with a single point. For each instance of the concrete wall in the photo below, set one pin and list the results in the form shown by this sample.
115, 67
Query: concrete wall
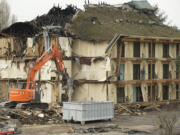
89, 92
128, 71
158, 50
128, 49
94, 71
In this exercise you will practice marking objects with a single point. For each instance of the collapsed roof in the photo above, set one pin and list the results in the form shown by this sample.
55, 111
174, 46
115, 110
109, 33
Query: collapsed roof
55, 17
22, 29
98, 22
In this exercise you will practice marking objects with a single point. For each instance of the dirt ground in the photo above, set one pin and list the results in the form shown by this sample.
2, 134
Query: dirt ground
144, 124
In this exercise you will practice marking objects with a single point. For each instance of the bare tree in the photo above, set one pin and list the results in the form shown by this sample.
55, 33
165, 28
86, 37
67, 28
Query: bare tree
5, 17
167, 122
160, 14
163, 17
13, 19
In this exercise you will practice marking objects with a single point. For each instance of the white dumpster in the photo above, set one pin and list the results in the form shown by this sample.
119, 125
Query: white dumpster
88, 111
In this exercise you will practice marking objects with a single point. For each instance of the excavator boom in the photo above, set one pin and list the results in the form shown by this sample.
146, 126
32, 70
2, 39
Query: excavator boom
28, 94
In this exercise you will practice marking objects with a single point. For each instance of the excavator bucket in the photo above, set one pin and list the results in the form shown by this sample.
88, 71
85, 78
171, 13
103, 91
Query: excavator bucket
21, 95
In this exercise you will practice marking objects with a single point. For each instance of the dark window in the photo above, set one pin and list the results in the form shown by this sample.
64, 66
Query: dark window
123, 48
177, 72
136, 49
154, 93
165, 50
177, 50
165, 71
177, 91
153, 50
165, 92
121, 77
120, 95
138, 92
149, 71
143, 73
136, 71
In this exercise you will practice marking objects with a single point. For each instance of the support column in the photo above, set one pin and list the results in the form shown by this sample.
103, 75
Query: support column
179, 76
151, 74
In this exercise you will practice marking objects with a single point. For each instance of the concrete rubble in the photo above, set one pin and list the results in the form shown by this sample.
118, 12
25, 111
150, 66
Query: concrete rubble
30, 116
135, 109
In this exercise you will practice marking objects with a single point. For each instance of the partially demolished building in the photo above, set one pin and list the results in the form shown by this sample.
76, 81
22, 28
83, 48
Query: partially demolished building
120, 53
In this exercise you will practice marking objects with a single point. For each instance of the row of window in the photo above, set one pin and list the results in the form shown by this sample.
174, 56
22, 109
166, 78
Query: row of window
139, 74
136, 50
137, 93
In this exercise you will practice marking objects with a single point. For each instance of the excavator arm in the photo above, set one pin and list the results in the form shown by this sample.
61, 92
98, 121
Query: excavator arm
27, 94
54, 53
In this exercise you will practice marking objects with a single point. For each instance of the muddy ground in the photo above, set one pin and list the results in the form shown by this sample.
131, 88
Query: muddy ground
146, 123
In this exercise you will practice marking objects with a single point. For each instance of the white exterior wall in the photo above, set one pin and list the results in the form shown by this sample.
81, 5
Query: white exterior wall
144, 50
129, 49
172, 50
158, 50
89, 92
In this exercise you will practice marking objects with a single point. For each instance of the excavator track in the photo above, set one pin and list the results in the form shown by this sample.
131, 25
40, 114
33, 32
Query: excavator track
8, 104
32, 106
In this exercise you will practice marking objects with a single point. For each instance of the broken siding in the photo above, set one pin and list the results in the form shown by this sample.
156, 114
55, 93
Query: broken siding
97, 69
3, 89
66, 44
5, 46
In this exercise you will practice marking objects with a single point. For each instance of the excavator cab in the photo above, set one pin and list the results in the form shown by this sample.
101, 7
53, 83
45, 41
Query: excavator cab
21, 95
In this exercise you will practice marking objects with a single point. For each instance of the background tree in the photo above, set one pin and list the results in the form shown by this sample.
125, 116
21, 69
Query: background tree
5, 16
160, 14
163, 18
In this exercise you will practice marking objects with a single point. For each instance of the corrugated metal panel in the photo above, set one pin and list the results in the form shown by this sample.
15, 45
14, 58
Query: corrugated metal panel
88, 111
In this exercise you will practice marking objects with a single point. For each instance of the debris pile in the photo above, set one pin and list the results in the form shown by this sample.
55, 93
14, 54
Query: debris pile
55, 17
22, 29
49, 116
106, 128
96, 129
8, 127
135, 109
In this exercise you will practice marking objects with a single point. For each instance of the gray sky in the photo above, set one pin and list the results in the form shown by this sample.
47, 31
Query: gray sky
26, 10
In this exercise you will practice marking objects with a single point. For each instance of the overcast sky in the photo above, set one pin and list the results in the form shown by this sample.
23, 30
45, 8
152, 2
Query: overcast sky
26, 10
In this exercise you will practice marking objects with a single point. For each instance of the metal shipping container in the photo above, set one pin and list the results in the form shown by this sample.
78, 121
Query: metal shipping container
88, 111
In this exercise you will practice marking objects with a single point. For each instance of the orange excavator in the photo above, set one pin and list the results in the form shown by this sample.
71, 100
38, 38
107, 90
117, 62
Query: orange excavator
25, 97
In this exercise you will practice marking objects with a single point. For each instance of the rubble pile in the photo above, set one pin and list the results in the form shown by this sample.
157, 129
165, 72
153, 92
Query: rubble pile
56, 16
8, 127
22, 29
135, 109
49, 116
96, 129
